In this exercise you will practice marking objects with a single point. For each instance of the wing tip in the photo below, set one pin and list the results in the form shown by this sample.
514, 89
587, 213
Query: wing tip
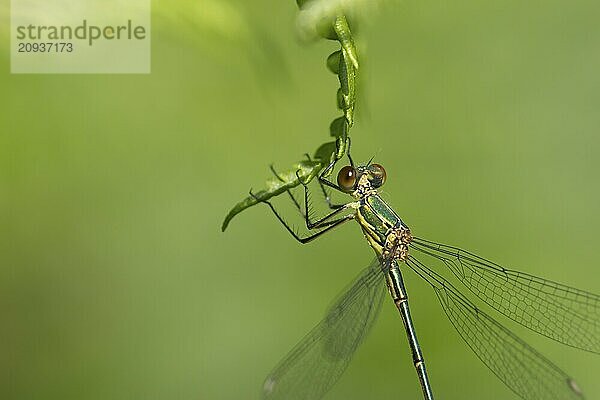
575, 387
268, 387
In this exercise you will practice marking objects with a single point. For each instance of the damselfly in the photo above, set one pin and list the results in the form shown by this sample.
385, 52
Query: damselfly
565, 314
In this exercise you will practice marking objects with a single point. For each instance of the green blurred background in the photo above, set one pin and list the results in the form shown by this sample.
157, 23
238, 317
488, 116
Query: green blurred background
115, 279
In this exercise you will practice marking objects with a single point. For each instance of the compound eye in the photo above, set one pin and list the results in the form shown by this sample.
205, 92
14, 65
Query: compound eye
378, 173
347, 178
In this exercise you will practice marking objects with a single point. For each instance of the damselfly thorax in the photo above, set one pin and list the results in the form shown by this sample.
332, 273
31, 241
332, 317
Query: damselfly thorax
383, 228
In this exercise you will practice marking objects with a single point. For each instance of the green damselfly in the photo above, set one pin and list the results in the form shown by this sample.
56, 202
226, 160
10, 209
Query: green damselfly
565, 314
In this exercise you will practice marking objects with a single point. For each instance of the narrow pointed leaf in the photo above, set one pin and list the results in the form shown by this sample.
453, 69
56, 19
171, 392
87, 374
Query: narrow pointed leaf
306, 169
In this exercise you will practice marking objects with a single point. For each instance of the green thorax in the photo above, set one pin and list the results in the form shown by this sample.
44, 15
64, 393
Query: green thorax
376, 219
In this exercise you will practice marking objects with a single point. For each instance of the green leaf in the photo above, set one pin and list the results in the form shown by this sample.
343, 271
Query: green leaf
347, 77
338, 127
333, 61
342, 29
325, 152
306, 169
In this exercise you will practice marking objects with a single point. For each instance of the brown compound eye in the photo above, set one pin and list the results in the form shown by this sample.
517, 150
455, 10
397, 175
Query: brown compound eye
378, 175
347, 178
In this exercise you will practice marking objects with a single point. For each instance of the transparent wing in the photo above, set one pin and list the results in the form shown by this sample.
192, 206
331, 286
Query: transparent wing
525, 371
565, 314
318, 361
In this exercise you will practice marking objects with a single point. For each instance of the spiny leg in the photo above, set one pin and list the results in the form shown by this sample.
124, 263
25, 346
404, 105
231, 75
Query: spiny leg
288, 191
322, 223
324, 191
318, 223
328, 197
325, 222
306, 213
293, 198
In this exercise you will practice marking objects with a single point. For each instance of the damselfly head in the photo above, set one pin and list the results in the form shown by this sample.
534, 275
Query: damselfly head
349, 177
